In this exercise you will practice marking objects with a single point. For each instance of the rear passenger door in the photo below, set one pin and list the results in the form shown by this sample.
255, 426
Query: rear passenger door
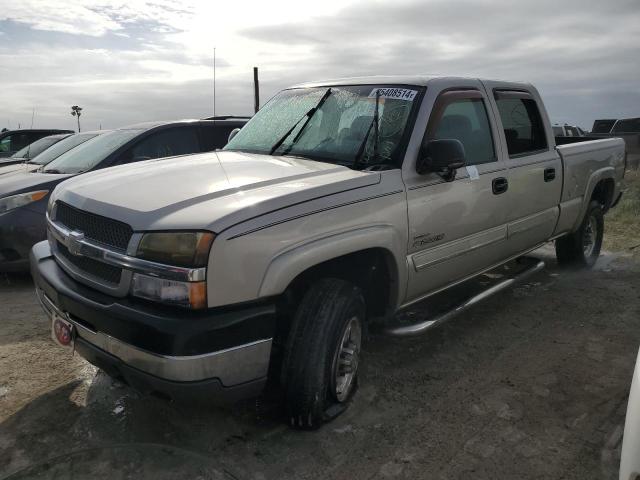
456, 228
535, 169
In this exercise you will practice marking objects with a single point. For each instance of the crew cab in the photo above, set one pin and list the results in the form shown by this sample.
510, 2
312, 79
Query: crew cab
339, 204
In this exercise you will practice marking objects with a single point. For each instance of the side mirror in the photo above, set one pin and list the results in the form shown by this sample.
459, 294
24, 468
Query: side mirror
443, 157
233, 133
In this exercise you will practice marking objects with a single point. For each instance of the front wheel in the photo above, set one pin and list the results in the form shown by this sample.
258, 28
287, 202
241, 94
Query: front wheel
322, 355
582, 247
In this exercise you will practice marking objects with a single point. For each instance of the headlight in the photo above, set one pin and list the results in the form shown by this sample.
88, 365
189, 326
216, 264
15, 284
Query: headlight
15, 201
183, 294
180, 249
176, 249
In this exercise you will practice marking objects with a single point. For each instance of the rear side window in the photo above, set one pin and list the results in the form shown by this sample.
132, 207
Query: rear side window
522, 125
602, 126
215, 136
629, 125
166, 143
466, 120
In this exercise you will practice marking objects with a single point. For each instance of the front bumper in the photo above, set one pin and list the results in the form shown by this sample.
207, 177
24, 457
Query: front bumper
222, 354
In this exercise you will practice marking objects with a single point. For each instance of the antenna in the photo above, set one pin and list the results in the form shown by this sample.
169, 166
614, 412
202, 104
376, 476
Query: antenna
33, 114
214, 81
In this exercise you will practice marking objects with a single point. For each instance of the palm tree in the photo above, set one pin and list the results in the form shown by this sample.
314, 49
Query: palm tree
75, 111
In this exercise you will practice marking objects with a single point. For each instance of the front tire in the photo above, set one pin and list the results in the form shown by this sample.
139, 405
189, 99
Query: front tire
582, 247
322, 354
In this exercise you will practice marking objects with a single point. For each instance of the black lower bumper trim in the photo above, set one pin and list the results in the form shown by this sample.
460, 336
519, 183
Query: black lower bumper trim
158, 329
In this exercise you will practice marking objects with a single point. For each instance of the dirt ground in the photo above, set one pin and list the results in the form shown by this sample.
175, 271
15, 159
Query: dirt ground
531, 384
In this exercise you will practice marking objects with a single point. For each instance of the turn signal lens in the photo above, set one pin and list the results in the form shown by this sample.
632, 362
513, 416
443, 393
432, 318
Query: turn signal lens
172, 292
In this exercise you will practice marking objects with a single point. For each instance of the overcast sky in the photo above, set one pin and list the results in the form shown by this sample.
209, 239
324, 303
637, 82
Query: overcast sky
135, 60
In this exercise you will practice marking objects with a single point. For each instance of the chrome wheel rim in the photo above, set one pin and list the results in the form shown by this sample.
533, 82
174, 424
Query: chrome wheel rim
345, 363
589, 236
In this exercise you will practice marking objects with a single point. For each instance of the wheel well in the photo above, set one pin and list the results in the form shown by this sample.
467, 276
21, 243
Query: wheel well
373, 270
603, 192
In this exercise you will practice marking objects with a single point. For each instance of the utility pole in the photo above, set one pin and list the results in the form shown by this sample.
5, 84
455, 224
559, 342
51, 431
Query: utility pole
214, 81
75, 111
256, 90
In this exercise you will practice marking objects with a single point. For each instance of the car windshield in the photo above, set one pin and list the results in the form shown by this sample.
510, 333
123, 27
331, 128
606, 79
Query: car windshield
343, 130
91, 153
61, 147
37, 147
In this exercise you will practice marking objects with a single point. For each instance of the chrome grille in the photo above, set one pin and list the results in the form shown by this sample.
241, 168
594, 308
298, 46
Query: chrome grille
102, 271
95, 227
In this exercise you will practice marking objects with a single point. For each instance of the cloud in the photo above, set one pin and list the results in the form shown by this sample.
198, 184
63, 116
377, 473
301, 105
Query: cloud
129, 61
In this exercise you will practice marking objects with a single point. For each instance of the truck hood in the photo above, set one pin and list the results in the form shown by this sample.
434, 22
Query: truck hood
210, 191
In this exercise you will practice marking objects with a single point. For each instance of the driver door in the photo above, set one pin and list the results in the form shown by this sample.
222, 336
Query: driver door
457, 228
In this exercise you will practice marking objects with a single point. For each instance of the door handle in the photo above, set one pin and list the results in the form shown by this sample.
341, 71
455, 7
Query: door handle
499, 185
549, 174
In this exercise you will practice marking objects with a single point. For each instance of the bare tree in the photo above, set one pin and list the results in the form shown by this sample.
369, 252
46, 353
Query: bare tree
75, 111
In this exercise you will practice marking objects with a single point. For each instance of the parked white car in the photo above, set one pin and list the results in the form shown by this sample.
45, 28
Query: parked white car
630, 458
337, 205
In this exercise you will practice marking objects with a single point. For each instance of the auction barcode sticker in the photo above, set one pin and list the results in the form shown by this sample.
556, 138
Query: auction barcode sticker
395, 93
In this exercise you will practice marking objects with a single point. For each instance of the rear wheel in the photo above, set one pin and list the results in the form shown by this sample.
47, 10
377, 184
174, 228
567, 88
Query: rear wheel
582, 247
322, 356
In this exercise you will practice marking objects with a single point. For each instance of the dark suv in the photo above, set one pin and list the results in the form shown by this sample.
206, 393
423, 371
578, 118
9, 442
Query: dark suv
13, 140
24, 195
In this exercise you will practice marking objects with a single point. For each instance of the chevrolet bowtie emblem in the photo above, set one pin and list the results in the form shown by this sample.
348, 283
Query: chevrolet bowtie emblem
74, 244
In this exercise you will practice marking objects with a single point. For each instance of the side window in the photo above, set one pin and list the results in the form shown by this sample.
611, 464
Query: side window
466, 120
572, 131
522, 125
166, 143
19, 141
215, 136
5, 144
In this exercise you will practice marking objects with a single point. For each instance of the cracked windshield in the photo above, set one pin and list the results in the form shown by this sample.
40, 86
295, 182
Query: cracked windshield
359, 126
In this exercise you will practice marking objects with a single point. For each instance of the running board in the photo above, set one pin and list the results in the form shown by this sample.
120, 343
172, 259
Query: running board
422, 327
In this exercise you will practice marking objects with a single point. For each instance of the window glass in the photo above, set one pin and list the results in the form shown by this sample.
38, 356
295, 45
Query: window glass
166, 143
91, 153
522, 125
466, 120
602, 126
558, 131
629, 125
61, 147
5, 144
37, 147
215, 136
572, 131
341, 131
19, 141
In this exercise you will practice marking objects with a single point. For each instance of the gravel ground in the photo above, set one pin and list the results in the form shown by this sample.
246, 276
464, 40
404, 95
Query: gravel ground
532, 383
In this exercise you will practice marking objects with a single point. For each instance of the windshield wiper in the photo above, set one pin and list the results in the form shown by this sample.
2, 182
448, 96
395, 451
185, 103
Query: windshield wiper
308, 116
52, 170
374, 121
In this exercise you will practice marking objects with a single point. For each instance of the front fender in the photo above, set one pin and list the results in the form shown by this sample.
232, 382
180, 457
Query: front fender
287, 265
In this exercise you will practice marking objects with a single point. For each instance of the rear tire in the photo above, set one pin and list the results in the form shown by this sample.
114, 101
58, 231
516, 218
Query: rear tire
582, 247
320, 365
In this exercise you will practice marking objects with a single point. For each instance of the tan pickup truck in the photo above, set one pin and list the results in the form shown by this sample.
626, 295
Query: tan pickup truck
338, 205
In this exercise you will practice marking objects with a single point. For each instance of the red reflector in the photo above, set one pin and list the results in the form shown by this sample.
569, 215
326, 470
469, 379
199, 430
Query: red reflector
63, 332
